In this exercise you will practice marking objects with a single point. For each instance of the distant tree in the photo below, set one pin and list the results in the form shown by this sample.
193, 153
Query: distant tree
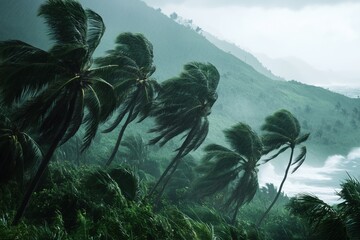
237, 166
183, 107
134, 87
54, 88
174, 16
283, 131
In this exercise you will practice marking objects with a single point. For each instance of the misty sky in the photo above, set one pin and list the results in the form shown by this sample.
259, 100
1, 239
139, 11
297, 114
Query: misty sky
323, 33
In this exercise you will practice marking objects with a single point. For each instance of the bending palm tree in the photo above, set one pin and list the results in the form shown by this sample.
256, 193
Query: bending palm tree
184, 104
134, 87
282, 130
56, 86
238, 165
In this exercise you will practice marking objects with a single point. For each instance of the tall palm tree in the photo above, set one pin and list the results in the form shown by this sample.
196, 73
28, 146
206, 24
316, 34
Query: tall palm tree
341, 221
19, 153
135, 89
53, 88
183, 106
237, 166
283, 132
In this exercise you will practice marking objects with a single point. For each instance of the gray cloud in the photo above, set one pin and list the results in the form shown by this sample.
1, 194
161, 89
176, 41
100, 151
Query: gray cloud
292, 4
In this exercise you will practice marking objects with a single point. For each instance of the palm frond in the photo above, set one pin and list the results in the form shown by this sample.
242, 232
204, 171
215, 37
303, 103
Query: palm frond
20, 80
299, 159
244, 141
95, 30
325, 220
77, 117
284, 123
66, 20
283, 149
106, 95
92, 119
302, 138
16, 51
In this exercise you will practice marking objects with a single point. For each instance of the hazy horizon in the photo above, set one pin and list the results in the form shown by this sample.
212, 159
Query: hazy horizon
323, 34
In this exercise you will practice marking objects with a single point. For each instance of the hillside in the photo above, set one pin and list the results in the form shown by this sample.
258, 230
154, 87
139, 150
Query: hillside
241, 54
244, 94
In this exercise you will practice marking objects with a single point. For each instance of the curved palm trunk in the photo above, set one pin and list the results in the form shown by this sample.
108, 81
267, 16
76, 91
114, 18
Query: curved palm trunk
172, 166
168, 178
235, 212
44, 163
120, 136
280, 188
129, 119
173, 162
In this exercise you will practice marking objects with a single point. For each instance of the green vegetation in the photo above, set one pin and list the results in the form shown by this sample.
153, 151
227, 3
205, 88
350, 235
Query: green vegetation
341, 221
51, 99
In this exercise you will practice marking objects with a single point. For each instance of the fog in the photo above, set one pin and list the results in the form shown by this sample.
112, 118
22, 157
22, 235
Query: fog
323, 34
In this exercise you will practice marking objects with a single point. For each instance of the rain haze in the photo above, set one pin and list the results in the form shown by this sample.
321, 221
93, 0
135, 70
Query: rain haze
315, 42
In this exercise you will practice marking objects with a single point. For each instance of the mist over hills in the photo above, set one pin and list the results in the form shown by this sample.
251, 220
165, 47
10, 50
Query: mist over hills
244, 94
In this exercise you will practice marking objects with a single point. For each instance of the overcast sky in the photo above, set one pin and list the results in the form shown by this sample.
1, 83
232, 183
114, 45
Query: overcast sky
323, 33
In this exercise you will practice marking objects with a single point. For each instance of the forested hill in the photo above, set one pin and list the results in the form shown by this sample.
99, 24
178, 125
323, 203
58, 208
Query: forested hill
244, 94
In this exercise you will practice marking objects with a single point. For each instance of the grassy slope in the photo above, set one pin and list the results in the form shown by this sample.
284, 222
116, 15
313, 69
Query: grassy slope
244, 94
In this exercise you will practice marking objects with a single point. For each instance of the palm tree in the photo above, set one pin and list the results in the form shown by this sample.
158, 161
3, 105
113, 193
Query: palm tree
183, 106
341, 221
135, 89
19, 153
236, 166
283, 132
53, 88
137, 150
350, 207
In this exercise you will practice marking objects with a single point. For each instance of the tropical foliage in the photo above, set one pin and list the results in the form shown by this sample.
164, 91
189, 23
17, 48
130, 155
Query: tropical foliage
341, 221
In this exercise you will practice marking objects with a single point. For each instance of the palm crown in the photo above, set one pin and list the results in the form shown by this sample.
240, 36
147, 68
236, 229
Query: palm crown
135, 89
237, 166
183, 105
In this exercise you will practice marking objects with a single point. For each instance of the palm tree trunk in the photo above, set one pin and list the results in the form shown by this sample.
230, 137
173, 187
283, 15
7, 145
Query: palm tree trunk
280, 188
235, 212
129, 119
173, 161
44, 163
120, 136
173, 165
166, 181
